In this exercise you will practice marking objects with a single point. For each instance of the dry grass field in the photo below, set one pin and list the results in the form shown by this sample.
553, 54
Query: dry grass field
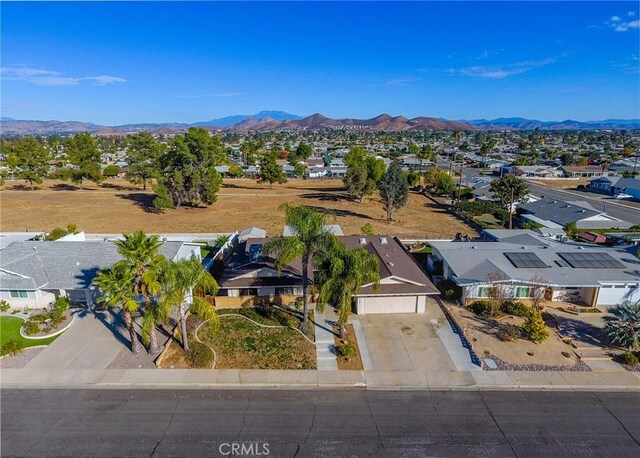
118, 206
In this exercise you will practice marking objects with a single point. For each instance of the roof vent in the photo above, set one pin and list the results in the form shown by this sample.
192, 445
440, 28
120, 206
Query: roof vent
363, 241
383, 240
524, 247
580, 248
474, 247
390, 264
582, 211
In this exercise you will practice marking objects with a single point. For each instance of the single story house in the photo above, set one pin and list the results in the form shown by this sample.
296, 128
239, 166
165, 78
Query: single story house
251, 276
34, 274
586, 171
536, 171
616, 185
555, 213
523, 260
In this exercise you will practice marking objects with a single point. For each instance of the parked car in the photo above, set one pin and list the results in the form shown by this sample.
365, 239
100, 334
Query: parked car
623, 195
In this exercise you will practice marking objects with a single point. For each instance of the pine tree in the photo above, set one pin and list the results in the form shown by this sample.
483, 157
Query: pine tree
394, 190
270, 171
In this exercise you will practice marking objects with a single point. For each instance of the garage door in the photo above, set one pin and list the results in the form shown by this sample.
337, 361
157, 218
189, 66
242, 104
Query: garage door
615, 294
386, 304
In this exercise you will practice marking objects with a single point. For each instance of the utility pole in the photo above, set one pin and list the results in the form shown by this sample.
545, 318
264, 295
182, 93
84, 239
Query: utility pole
510, 210
460, 183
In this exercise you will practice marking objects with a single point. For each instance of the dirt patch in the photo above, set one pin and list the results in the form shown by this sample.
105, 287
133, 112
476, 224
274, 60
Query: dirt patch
482, 333
354, 363
241, 344
241, 203
561, 184
175, 357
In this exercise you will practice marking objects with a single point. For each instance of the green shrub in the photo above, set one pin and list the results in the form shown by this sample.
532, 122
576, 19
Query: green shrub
4, 306
31, 328
534, 327
481, 308
477, 208
628, 358
200, 356
367, 229
447, 289
514, 308
508, 332
39, 318
347, 351
12, 347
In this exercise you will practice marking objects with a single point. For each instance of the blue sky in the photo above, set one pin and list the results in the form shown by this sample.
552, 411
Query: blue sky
113, 63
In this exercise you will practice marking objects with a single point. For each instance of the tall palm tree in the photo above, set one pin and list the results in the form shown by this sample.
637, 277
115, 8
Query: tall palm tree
181, 280
142, 260
342, 272
310, 237
115, 283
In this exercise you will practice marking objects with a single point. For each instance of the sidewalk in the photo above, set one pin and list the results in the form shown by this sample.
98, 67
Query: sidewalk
312, 379
325, 344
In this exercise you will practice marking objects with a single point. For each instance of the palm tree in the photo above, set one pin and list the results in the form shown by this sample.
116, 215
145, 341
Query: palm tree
622, 325
310, 237
142, 260
181, 279
115, 283
342, 272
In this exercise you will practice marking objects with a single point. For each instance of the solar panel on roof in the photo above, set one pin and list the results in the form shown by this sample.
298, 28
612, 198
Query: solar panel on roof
525, 260
596, 260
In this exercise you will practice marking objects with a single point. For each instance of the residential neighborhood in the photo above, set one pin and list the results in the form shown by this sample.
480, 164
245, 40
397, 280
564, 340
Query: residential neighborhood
319, 229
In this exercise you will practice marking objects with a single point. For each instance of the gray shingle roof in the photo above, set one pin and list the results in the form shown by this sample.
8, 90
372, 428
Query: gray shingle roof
558, 211
60, 265
471, 262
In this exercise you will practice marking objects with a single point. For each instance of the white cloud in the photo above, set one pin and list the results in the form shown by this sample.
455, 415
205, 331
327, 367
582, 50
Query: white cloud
41, 77
615, 19
399, 82
502, 71
631, 13
624, 26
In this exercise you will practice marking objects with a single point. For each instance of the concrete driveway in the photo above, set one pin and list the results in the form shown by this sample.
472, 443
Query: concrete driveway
91, 343
410, 343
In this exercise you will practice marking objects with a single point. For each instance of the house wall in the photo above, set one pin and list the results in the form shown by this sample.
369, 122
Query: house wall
34, 299
618, 293
232, 302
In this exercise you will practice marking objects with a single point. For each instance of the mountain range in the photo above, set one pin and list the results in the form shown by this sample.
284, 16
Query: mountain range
278, 120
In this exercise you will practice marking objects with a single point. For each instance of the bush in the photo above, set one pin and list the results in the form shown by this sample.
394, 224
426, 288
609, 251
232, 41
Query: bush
12, 347
508, 332
367, 229
481, 308
447, 289
478, 207
628, 358
534, 327
200, 356
347, 351
514, 308
31, 328
4, 306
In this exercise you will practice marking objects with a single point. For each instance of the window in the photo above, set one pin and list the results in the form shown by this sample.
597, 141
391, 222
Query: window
523, 291
20, 294
284, 290
483, 291
248, 292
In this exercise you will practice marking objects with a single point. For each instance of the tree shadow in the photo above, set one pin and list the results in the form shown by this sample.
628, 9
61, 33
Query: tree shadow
325, 189
119, 187
340, 212
24, 187
325, 196
65, 187
580, 331
226, 184
111, 320
142, 200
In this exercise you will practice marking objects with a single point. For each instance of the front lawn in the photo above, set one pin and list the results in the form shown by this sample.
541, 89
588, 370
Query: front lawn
10, 329
241, 344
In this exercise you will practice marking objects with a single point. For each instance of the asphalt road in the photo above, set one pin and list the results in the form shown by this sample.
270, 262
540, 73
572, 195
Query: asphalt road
624, 210
124, 422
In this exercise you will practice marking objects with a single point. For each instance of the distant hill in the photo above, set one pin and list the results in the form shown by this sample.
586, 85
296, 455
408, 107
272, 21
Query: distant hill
383, 122
279, 120
231, 120
569, 124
